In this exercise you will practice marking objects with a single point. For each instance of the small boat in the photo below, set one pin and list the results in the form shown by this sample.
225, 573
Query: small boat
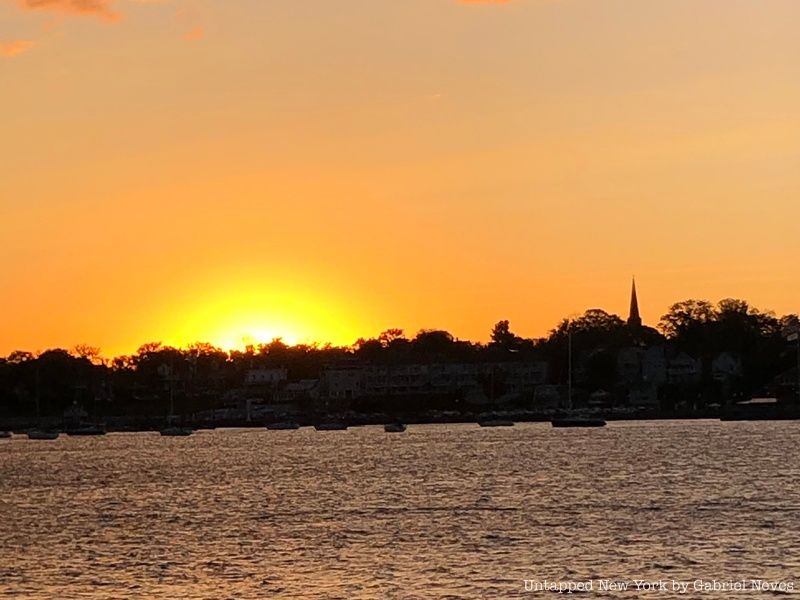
4, 435
38, 434
495, 423
575, 420
330, 427
578, 422
86, 430
283, 426
394, 428
176, 431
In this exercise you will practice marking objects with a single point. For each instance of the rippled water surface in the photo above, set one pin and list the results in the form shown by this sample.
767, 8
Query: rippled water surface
440, 511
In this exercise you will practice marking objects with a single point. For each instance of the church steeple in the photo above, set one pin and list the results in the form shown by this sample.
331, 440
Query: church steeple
634, 320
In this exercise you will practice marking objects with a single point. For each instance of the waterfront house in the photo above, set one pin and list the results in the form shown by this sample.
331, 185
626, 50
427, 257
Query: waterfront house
265, 377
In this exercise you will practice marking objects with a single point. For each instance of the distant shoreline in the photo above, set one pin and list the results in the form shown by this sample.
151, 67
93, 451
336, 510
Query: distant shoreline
144, 424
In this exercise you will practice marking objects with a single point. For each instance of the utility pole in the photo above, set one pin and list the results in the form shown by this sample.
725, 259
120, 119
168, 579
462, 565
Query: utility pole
569, 365
795, 337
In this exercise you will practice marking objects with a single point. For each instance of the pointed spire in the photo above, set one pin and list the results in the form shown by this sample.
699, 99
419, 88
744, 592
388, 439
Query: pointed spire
634, 320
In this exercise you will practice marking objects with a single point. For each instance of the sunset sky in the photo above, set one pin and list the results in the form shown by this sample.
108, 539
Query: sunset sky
197, 170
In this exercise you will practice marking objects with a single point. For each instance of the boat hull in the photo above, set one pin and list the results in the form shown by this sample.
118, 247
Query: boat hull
283, 426
563, 423
331, 427
43, 435
176, 432
85, 431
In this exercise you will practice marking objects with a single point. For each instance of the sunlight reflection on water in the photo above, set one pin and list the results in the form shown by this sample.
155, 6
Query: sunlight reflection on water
439, 511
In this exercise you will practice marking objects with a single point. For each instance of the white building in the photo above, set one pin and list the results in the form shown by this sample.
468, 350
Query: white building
433, 378
265, 376
683, 369
726, 367
629, 364
636, 365
342, 382
305, 389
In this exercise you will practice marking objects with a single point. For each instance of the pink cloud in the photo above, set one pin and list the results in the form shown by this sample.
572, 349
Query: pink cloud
195, 34
14, 47
193, 28
96, 8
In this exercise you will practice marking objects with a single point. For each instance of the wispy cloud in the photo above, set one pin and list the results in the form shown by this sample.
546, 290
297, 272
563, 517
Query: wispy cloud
91, 8
195, 34
14, 47
189, 21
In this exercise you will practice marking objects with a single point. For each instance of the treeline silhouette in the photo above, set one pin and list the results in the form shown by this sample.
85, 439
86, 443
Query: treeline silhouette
201, 376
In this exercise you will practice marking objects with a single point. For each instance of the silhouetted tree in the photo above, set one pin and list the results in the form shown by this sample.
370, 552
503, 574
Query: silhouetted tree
20, 356
200, 375
90, 353
433, 342
390, 336
503, 338
686, 318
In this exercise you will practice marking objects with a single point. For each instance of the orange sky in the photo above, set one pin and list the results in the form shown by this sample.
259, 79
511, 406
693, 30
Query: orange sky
196, 170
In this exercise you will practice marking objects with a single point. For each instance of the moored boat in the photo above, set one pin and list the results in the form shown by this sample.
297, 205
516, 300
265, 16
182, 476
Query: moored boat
176, 431
283, 426
38, 434
330, 426
394, 428
5, 434
578, 422
495, 423
572, 419
86, 430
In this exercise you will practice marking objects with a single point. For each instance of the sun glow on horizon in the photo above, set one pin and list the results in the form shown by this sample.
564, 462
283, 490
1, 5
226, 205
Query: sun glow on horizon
245, 314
